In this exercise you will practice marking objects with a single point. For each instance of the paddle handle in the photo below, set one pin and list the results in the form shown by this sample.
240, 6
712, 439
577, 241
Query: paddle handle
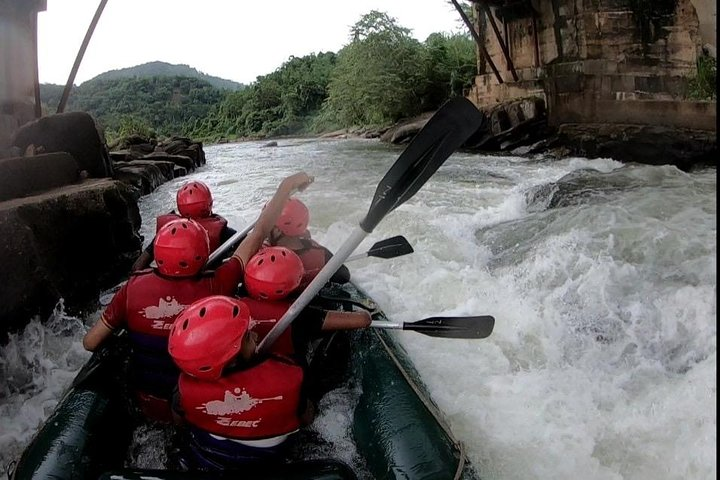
323, 276
387, 325
229, 242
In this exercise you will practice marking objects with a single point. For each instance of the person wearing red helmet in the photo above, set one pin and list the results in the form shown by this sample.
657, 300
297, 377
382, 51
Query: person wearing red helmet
233, 408
194, 200
151, 299
271, 277
291, 232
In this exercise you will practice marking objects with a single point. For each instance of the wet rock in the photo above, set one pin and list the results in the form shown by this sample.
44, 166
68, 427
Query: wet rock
141, 142
185, 147
335, 134
181, 160
145, 176
71, 242
648, 144
75, 133
125, 155
164, 168
23, 176
193, 154
404, 131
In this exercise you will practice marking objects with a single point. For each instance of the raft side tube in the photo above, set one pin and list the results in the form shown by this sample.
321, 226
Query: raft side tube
396, 426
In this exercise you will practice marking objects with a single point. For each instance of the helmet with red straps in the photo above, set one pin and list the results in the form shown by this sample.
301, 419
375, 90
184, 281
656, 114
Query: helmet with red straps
208, 334
194, 200
181, 248
273, 273
294, 219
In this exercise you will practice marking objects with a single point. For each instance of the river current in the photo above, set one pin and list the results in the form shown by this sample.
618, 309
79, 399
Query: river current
601, 276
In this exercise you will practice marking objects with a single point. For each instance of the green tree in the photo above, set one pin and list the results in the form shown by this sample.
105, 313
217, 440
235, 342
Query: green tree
377, 76
282, 102
450, 66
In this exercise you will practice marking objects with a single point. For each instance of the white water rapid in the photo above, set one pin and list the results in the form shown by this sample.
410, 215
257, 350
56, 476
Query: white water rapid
601, 276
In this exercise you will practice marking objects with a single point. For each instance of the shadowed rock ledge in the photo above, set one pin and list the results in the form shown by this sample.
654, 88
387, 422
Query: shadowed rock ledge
69, 242
69, 217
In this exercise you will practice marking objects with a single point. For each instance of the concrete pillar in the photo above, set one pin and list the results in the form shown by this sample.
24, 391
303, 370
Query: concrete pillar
17, 64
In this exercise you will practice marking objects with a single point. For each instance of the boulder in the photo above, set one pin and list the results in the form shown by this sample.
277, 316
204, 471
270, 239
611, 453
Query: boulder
191, 153
166, 168
75, 133
404, 131
180, 160
648, 144
145, 176
71, 242
23, 176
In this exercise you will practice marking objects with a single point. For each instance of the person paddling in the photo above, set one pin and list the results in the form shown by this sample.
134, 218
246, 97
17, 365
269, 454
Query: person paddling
194, 200
232, 408
291, 231
150, 301
272, 277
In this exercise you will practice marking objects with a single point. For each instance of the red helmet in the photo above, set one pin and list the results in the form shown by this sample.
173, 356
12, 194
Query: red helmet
294, 219
207, 335
194, 200
272, 273
181, 248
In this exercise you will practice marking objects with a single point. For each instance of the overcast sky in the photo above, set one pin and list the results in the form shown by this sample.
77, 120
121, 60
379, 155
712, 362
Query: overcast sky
232, 39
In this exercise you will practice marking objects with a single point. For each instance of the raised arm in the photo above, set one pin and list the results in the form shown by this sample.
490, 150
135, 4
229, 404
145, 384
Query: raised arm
269, 215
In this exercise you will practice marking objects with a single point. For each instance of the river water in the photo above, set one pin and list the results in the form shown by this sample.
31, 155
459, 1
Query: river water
602, 278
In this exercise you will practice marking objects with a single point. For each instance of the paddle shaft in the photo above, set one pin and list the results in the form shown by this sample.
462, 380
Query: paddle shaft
357, 256
237, 236
453, 123
315, 286
480, 326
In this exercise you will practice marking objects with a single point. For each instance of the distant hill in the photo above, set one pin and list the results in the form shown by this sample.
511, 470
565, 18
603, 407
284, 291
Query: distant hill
167, 105
162, 69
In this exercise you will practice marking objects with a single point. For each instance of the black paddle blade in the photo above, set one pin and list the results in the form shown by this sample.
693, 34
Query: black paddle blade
454, 122
454, 327
391, 248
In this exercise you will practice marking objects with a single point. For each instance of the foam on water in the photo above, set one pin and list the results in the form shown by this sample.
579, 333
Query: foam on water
36, 366
601, 276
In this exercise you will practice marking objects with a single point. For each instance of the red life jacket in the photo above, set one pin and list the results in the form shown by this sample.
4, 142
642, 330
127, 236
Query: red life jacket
314, 258
259, 402
154, 302
263, 316
214, 225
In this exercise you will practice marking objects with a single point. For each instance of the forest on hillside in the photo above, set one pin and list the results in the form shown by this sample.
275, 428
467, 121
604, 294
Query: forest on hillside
381, 76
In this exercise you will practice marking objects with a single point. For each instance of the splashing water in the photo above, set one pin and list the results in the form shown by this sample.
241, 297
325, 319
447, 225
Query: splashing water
601, 276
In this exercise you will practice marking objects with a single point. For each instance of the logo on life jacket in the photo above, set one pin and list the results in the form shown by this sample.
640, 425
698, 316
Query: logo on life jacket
167, 307
238, 403
241, 402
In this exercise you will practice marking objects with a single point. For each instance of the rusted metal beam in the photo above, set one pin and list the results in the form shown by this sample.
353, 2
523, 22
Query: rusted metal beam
79, 57
504, 48
36, 75
480, 42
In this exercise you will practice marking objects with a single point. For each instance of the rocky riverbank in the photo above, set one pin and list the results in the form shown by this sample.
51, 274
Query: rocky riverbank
520, 127
68, 211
